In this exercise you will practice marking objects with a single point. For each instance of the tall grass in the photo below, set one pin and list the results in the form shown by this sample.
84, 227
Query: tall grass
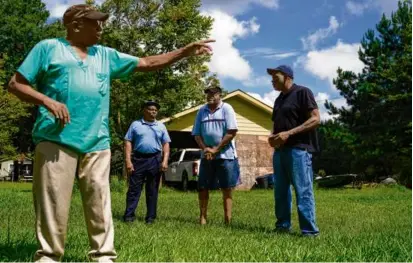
372, 224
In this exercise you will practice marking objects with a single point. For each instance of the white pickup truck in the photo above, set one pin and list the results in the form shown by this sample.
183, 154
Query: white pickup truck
183, 168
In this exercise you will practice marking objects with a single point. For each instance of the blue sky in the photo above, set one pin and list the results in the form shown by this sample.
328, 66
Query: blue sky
314, 37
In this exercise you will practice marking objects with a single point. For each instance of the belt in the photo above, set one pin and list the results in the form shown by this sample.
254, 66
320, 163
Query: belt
145, 155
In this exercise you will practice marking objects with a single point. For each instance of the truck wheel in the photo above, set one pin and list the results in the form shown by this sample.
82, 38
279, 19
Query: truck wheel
184, 182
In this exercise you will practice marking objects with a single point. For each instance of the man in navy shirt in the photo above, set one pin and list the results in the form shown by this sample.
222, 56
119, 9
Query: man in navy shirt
146, 156
214, 130
295, 117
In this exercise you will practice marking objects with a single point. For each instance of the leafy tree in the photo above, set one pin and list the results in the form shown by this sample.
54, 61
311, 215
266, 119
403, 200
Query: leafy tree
337, 149
11, 110
23, 23
380, 97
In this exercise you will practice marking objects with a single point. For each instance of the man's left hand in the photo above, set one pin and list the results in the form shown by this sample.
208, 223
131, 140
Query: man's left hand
199, 48
281, 138
212, 150
164, 166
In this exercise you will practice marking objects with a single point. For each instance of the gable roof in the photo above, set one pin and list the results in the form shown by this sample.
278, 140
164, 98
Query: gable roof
236, 93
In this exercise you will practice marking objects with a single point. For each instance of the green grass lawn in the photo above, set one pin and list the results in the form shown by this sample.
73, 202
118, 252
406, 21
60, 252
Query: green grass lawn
372, 224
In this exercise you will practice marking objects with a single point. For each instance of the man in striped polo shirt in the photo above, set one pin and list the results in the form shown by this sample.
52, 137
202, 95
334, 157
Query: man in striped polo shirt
214, 130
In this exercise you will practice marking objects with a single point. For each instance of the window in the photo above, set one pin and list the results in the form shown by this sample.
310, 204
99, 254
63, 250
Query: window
192, 155
175, 157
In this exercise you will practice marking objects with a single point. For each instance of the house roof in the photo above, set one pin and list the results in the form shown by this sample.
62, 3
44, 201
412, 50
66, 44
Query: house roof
239, 93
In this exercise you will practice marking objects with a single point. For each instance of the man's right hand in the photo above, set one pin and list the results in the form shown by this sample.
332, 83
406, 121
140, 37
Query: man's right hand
271, 140
129, 167
59, 110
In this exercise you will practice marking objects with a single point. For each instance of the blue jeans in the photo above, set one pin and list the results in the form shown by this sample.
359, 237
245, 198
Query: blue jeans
294, 166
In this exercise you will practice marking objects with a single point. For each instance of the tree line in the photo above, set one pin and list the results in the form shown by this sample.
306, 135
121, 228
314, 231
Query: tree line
372, 136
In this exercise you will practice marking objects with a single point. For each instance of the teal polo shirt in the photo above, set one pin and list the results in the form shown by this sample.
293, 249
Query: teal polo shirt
147, 137
82, 85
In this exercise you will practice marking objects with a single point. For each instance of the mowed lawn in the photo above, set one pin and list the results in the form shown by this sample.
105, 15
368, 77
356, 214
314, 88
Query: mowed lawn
372, 224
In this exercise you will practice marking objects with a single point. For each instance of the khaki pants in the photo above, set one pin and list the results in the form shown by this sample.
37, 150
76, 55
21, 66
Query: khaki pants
55, 169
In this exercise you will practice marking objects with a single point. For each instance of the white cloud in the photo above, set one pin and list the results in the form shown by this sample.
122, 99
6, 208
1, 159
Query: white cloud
58, 10
236, 7
324, 63
268, 53
227, 61
321, 98
280, 56
257, 81
311, 41
356, 8
383, 6
267, 98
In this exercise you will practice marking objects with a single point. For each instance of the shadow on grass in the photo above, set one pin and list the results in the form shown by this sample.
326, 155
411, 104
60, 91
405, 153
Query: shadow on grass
77, 258
118, 217
19, 251
22, 251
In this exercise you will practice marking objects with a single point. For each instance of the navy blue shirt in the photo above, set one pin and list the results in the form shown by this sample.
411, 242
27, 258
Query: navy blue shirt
147, 137
292, 110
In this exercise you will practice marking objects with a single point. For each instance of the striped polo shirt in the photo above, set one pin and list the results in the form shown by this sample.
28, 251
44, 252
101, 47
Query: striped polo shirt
212, 127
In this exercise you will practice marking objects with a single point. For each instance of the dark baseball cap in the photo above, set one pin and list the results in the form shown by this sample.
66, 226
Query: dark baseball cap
151, 103
286, 70
83, 11
214, 89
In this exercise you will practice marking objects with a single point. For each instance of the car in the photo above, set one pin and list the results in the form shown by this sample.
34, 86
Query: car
183, 168
264, 182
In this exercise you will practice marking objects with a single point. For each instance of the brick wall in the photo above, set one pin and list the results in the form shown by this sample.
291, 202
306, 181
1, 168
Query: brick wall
255, 157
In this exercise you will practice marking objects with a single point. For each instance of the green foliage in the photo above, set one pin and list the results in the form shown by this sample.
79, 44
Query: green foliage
11, 110
22, 25
337, 151
376, 129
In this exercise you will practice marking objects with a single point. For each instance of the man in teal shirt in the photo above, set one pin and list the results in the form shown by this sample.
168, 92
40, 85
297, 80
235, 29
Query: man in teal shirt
71, 132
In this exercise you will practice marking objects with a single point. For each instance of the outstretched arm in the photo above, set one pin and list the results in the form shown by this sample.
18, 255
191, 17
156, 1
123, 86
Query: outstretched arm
161, 61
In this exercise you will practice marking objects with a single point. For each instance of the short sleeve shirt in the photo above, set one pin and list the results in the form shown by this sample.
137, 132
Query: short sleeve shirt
212, 127
147, 137
83, 86
292, 110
